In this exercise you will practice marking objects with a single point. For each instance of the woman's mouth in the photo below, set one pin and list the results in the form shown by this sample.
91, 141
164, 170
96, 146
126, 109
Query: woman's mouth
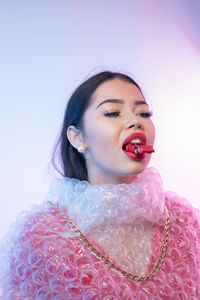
132, 151
136, 137
135, 146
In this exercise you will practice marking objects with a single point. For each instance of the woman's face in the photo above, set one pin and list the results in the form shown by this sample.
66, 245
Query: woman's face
111, 117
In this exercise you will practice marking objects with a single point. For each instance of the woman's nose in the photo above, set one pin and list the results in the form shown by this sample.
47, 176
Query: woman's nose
133, 122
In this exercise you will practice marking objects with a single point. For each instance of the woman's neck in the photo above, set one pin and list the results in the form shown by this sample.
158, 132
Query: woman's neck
97, 179
112, 204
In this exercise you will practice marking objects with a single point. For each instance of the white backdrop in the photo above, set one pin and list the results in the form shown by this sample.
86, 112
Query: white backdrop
49, 47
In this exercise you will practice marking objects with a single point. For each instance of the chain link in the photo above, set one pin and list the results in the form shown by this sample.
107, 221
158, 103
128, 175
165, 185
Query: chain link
106, 261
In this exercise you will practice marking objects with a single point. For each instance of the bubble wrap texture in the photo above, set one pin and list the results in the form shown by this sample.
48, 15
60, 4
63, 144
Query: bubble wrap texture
109, 203
41, 258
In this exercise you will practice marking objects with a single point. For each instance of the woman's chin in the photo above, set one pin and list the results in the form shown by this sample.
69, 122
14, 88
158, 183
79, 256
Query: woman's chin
137, 166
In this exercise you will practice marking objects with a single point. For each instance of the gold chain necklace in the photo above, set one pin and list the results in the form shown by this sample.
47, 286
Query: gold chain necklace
106, 261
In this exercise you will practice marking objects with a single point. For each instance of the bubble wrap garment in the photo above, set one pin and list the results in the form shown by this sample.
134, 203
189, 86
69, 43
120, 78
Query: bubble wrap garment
41, 258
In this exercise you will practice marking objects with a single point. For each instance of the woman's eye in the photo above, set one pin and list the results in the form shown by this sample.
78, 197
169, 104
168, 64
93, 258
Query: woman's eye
146, 114
117, 113
112, 114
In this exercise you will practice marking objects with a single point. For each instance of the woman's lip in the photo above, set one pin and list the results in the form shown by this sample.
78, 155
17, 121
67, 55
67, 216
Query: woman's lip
135, 156
135, 135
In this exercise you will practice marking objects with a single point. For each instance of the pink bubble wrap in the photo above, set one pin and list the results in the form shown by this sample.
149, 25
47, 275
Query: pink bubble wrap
41, 258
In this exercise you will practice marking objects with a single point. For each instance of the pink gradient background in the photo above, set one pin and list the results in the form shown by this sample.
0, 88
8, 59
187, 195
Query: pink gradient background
49, 47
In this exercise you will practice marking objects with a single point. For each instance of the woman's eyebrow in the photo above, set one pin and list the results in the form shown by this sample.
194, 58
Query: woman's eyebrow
136, 102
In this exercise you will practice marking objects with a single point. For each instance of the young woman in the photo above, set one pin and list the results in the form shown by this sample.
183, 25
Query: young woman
107, 229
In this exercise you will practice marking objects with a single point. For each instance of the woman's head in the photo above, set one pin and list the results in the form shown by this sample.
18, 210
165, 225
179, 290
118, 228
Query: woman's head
100, 114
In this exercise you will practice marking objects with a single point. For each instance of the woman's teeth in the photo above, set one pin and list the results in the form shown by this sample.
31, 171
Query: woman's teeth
136, 141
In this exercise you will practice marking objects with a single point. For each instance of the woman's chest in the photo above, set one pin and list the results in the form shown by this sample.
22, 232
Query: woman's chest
176, 279
127, 246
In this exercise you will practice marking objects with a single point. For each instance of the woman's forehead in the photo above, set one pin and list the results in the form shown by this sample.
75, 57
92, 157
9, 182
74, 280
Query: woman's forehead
117, 91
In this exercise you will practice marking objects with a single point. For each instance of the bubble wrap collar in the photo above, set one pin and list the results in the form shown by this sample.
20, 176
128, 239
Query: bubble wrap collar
93, 205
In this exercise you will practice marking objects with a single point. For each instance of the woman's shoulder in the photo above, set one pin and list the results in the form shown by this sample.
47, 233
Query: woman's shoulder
36, 241
41, 219
181, 208
184, 218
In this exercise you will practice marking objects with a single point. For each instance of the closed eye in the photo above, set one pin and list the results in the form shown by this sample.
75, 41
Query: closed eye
146, 114
117, 113
112, 114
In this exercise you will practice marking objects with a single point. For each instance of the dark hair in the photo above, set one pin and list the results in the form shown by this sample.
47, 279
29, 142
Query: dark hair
73, 162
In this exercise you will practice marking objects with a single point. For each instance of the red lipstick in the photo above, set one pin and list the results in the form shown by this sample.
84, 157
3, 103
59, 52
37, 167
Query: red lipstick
136, 150
135, 135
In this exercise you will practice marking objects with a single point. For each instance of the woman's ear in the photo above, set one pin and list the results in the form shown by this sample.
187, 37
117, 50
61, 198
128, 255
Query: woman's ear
75, 137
